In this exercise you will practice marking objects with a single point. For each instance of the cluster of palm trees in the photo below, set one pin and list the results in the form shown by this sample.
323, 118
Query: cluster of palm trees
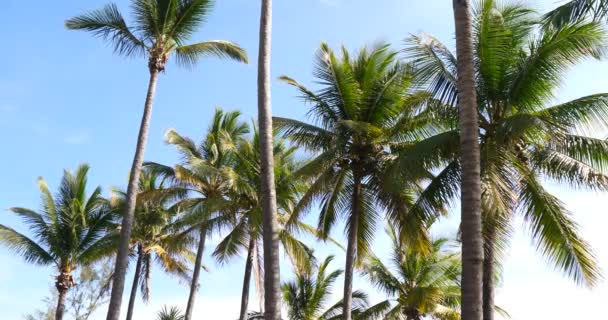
392, 136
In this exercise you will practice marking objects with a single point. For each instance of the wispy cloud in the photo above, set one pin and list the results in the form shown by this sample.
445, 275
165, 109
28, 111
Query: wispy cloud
80, 137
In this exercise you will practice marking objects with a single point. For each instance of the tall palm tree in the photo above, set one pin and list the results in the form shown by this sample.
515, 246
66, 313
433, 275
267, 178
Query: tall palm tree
272, 281
70, 231
524, 136
161, 28
207, 171
419, 285
306, 297
366, 115
157, 234
246, 213
470, 189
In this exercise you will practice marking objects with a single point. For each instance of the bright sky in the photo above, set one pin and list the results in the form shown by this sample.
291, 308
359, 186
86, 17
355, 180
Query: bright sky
66, 99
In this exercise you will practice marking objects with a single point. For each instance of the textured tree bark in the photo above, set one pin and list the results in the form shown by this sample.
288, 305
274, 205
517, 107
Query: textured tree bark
472, 242
196, 273
136, 276
272, 293
60, 304
247, 281
488, 275
122, 257
351, 249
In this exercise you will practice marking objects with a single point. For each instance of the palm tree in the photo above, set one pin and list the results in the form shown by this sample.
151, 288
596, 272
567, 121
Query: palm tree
207, 173
272, 281
157, 234
161, 28
306, 297
524, 136
419, 285
70, 231
246, 213
366, 116
170, 314
470, 189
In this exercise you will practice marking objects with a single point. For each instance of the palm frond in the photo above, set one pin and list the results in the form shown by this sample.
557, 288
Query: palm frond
25, 247
556, 234
108, 24
189, 55
575, 11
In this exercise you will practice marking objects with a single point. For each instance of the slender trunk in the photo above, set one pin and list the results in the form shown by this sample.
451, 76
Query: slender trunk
351, 248
60, 304
140, 258
488, 274
247, 281
122, 257
272, 294
472, 242
196, 273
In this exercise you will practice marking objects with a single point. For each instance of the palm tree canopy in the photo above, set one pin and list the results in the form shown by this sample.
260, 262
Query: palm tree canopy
158, 232
306, 297
71, 228
524, 137
172, 313
159, 28
418, 284
364, 115
246, 207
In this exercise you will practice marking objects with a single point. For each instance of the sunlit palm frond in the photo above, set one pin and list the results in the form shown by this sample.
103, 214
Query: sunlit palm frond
189, 55
556, 234
551, 55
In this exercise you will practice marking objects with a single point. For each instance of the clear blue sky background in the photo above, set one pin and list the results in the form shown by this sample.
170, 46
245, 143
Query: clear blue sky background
66, 99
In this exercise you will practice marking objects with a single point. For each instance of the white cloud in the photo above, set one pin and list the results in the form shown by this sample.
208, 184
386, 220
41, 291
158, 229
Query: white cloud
80, 137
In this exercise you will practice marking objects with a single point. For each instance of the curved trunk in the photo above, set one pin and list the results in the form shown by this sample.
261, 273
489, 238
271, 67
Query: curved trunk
351, 249
140, 258
272, 293
488, 275
247, 281
122, 257
196, 273
472, 242
60, 304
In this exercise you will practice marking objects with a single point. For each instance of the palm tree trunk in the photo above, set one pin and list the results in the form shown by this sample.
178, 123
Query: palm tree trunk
122, 257
196, 273
272, 297
247, 281
472, 242
140, 258
351, 248
60, 304
488, 274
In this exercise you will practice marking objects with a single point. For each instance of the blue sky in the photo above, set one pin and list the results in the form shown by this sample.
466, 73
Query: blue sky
66, 99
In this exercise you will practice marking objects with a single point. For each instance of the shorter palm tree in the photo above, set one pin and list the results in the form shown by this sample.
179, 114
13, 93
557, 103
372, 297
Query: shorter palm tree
172, 313
245, 213
70, 231
419, 285
306, 297
157, 233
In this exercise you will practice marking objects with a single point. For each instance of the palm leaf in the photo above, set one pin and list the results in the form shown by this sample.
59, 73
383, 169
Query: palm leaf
189, 55
108, 24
